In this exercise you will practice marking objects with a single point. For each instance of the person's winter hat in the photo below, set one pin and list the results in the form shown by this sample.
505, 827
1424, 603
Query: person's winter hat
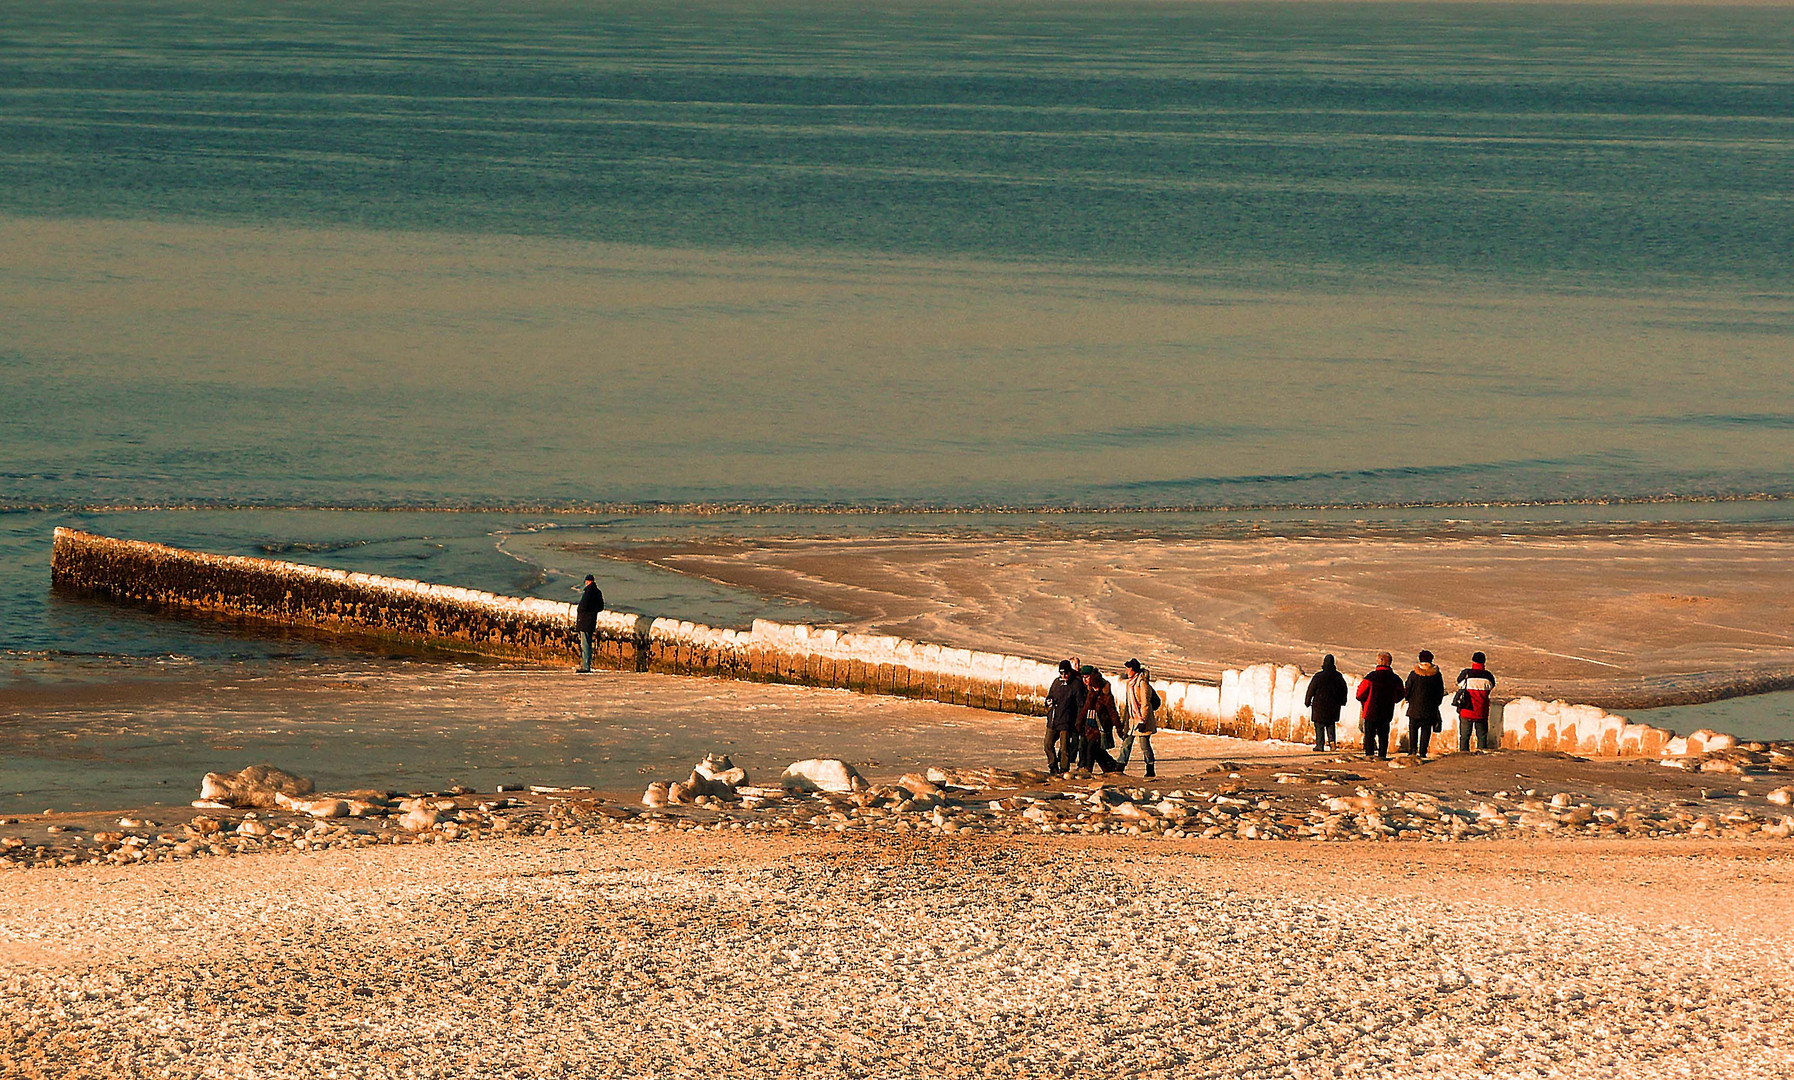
1087, 670
1065, 667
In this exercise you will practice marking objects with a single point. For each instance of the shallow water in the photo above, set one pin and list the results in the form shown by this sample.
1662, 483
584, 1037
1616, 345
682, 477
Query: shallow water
1760, 716
411, 726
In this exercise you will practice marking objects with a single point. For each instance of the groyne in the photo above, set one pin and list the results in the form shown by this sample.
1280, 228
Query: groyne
1261, 701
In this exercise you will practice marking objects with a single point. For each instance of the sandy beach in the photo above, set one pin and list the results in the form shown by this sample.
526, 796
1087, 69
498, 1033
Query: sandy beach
700, 954
1631, 620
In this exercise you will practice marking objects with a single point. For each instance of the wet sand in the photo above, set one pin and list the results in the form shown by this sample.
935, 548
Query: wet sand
428, 726
1623, 621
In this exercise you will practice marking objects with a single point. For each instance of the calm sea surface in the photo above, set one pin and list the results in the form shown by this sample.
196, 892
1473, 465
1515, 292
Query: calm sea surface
265, 268
1014, 253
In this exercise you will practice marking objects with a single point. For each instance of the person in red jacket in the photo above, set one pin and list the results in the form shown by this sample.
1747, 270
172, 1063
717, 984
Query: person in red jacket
1379, 691
1476, 682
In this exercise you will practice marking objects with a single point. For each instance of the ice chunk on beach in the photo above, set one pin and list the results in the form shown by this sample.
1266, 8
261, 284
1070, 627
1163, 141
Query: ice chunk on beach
821, 774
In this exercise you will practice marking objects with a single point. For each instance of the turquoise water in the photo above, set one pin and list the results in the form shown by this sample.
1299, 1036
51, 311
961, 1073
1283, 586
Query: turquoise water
564, 257
1610, 144
1117, 254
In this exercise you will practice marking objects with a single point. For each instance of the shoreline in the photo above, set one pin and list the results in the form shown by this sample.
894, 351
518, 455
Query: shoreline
873, 507
1239, 792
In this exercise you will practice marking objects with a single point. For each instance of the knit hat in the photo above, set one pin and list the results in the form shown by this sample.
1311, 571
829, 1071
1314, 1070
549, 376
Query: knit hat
1087, 670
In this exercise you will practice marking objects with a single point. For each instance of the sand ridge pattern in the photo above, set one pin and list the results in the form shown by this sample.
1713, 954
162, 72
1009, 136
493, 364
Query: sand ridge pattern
1621, 621
706, 955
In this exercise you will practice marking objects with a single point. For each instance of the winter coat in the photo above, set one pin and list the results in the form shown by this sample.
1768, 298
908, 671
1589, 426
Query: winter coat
591, 602
1379, 691
1140, 713
1326, 695
1424, 690
1480, 683
1065, 704
1099, 708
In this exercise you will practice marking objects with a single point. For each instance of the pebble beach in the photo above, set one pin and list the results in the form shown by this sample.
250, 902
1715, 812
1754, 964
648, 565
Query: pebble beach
1284, 915
699, 954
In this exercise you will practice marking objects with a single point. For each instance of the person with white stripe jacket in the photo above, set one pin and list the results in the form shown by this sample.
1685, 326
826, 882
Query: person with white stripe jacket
1475, 684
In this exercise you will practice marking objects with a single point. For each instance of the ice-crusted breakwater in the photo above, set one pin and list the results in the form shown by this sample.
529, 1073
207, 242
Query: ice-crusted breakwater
1261, 701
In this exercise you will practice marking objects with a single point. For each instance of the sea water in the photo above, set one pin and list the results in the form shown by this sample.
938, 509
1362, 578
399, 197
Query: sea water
264, 270
1019, 253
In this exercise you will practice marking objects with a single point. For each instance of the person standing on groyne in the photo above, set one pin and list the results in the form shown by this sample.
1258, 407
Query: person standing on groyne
1140, 716
1475, 684
1380, 691
1325, 697
591, 602
1424, 690
1065, 714
1099, 713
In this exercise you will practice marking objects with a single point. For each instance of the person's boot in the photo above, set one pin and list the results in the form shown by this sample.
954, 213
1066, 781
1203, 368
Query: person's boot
1149, 773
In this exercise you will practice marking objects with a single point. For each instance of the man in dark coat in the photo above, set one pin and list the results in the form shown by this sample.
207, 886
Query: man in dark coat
1424, 690
1065, 714
1380, 691
591, 602
1325, 697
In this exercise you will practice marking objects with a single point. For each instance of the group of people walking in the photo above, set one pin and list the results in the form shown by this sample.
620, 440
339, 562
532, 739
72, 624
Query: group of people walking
1086, 720
1424, 691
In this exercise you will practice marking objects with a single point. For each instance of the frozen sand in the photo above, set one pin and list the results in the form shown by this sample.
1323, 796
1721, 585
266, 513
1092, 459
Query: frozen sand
1620, 621
701, 954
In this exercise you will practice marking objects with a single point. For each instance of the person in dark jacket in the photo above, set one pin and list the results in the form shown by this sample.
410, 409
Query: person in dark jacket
1379, 691
1477, 683
591, 602
1424, 690
1065, 710
1325, 697
1099, 712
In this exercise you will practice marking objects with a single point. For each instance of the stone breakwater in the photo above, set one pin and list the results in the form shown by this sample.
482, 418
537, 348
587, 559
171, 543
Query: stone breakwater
1260, 701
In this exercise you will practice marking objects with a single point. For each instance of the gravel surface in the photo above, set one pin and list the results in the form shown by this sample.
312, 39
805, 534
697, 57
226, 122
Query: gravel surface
1460, 798
703, 954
